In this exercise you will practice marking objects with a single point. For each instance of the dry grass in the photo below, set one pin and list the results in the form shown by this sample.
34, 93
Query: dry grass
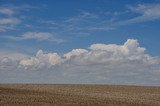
78, 95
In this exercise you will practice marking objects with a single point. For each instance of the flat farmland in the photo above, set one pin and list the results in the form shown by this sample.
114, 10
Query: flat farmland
78, 95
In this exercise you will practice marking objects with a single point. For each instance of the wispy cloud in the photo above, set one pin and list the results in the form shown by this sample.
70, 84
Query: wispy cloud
6, 11
85, 23
82, 24
5, 21
16, 8
147, 12
9, 16
4, 28
40, 36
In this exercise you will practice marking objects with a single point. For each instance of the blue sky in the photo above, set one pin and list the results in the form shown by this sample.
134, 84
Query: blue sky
62, 28
79, 24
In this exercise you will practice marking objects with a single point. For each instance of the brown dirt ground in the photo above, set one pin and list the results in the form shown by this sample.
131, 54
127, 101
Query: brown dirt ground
78, 95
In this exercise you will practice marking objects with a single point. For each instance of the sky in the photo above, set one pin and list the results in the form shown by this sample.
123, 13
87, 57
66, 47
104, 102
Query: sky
80, 41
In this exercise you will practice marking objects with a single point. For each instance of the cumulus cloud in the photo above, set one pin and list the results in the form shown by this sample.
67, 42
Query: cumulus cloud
101, 63
75, 52
42, 58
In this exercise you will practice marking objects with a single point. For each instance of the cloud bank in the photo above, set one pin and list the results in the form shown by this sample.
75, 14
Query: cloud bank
100, 63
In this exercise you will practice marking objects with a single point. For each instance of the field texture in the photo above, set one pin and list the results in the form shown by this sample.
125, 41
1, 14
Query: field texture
77, 95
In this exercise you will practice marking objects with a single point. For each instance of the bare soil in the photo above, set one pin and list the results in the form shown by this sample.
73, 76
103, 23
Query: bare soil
78, 95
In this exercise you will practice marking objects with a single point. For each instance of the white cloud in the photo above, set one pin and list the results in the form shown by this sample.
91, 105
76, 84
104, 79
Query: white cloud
3, 28
111, 53
40, 36
7, 19
4, 21
9, 16
6, 11
8, 23
49, 58
147, 12
12, 55
86, 23
101, 63
81, 17
75, 52
82, 24
29, 62
130, 47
